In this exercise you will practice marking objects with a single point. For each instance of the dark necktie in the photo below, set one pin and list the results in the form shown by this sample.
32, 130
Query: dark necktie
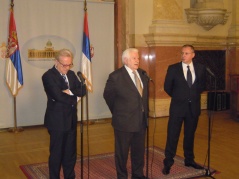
189, 77
138, 83
65, 79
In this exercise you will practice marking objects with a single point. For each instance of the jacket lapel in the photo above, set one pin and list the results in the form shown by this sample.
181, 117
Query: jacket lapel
180, 72
195, 66
58, 75
128, 80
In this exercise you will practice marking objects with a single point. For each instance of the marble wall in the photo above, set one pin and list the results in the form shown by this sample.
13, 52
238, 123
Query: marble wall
168, 29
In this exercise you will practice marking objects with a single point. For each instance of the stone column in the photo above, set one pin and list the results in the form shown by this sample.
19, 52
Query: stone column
233, 39
167, 33
121, 28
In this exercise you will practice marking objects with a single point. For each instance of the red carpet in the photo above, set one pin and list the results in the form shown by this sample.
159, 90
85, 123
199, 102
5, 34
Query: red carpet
103, 167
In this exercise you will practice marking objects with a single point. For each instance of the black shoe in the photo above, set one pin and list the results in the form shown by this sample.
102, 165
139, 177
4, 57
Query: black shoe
194, 165
166, 170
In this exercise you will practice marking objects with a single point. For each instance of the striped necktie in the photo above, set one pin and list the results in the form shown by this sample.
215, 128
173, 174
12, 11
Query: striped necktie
66, 81
138, 83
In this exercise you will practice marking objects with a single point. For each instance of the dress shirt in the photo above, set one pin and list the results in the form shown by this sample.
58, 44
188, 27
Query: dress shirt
185, 69
132, 75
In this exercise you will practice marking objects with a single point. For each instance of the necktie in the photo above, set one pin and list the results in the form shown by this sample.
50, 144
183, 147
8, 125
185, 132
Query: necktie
65, 79
189, 77
138, 83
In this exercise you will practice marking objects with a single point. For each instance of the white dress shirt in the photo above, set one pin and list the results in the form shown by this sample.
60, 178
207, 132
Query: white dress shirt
132, 75
185, 70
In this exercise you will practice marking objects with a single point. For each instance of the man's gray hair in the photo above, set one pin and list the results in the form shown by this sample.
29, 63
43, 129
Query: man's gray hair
64, 53
126, 53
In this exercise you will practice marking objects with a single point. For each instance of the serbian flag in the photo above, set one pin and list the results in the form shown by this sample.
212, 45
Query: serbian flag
14, 76
86, 68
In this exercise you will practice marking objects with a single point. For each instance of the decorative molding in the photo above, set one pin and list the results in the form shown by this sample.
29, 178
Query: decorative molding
207, 18
158, 39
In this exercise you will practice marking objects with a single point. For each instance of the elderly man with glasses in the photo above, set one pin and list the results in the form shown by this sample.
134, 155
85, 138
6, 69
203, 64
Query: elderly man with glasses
63, 90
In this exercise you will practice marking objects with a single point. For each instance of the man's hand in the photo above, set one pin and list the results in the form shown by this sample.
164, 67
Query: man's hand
67, 91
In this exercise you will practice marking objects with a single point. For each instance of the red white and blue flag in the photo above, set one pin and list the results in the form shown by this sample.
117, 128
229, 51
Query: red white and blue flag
86, 67
14, 76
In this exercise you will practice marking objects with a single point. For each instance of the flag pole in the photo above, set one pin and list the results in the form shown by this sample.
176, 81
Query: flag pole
85, 6
81, 125
87, 54
87, 112
15, 128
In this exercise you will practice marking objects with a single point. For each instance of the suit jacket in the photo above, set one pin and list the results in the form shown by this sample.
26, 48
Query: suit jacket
129, 110
176, 86
61, 111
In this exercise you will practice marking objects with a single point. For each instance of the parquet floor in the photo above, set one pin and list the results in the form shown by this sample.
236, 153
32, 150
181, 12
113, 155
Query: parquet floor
31, 145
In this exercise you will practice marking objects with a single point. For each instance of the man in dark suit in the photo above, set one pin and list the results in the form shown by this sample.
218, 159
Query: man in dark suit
184, 82
129, 108
63, 90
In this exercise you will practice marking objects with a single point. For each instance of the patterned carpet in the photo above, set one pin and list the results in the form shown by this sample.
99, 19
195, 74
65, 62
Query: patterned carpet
103, 167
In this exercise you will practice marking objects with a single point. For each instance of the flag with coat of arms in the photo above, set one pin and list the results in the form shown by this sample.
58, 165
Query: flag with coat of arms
14, 75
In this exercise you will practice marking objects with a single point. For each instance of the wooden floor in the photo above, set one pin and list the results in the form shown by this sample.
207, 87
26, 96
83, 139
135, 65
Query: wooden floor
31, 145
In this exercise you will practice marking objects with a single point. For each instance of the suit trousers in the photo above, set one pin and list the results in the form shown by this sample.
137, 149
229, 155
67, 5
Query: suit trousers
62, 153
173, 133
135, 143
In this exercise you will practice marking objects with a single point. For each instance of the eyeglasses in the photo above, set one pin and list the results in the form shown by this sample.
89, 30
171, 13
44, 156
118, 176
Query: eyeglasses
186, 53
64, 66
